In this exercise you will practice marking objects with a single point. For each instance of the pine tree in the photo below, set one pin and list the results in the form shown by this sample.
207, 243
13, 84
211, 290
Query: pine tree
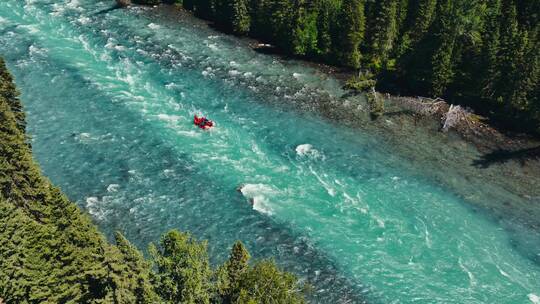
444, 38
184, 274
264, 283
421, 15
326, 12
507, 57
237, 264
384, 31
349, 33
139, 268
260, 25
241, 19
305, 32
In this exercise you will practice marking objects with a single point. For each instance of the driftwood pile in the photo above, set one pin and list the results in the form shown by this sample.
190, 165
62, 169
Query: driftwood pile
451, 116
456, 117
421, 105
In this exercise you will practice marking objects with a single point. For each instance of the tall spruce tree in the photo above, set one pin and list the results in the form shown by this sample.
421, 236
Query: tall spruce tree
383, 32
349, 33
443, 38
183, 270
304, 27
241, 20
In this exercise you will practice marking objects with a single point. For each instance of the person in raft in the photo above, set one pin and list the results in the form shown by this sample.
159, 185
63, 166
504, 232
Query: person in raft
202, 122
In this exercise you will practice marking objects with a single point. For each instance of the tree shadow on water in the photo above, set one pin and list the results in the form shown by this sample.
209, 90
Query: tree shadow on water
500, 156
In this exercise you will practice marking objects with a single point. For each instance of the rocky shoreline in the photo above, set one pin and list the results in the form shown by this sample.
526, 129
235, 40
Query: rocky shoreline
412, 126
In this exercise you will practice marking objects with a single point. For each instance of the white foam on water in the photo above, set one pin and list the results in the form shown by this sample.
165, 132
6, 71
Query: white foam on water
84, 20
308, 150
169, 118
34, 50
75, 5
113, 188
120, 48
472, 280
258, 195
304, 149
85, 137
213, 47
91, 201
153, 26
32, 29
191, 133
534, 298
92, 205
329, 189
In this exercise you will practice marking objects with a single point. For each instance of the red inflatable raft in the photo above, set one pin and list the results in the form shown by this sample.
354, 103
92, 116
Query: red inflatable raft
202, 122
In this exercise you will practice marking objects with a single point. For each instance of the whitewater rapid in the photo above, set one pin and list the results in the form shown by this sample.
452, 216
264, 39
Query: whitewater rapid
110, 96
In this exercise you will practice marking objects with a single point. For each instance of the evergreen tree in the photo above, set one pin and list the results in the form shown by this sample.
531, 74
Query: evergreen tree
349, 33
232, 16
384, 30
11, 95
52, 253
183, 270
421, 15
241, 19
264, 283
304, 28
260, 12
444, 37
135, 264
236, 267
326, 12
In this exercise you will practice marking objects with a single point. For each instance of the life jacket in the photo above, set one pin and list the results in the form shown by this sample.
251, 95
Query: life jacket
202, 122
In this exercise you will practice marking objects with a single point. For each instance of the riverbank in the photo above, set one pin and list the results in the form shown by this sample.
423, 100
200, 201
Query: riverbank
359, 208
474, 148
475, 128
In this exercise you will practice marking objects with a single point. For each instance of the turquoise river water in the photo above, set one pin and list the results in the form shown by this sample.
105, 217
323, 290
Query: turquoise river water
110, 94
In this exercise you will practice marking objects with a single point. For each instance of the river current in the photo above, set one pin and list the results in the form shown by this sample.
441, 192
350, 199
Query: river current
110, 95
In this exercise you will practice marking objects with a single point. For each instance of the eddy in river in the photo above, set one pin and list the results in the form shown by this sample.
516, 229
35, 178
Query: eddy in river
202, 122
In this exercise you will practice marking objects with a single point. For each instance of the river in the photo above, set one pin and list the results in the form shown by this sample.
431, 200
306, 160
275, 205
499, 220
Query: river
110, 95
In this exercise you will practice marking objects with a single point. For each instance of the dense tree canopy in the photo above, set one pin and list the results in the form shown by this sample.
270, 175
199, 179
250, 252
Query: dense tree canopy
480, 53
50, 252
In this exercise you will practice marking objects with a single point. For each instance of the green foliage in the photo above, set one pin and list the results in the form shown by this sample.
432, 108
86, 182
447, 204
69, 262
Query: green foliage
384, 31
376, 104
9, 92
480, 53
349, 33
362, 82
51, 253
230, 274
232, 16
264, 283
305, 32
183, 270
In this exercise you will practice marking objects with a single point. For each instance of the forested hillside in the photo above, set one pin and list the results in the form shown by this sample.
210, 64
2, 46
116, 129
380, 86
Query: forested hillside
480, 53
50, 252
